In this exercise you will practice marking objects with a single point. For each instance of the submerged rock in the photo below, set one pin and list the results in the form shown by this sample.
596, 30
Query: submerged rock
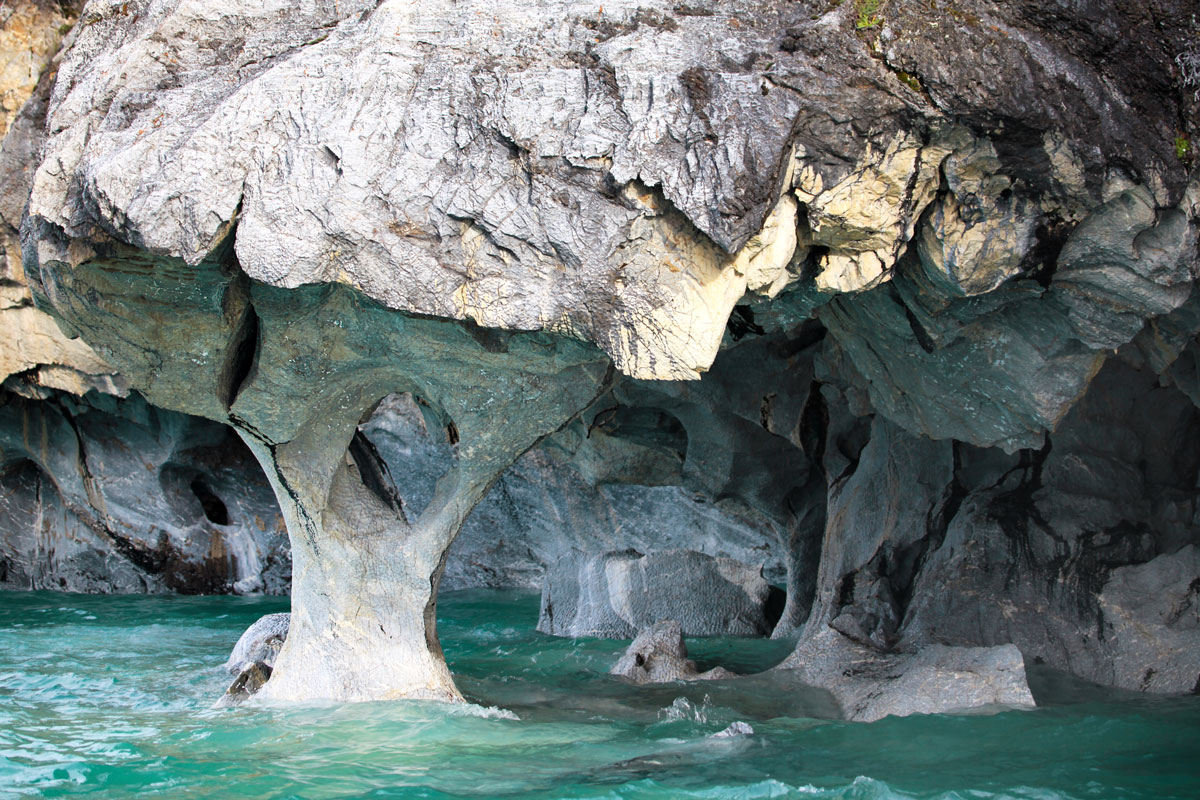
260, 643
658, 655
252, 678
735, 729
614, 595
870, 684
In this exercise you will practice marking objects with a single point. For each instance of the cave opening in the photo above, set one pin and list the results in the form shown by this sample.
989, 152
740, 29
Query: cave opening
214, 508
404, 429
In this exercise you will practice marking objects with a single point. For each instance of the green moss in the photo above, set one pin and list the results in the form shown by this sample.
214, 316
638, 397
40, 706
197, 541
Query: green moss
911, 81
1183, 149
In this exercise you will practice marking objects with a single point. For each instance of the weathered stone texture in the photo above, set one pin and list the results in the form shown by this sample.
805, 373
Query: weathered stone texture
937, 275
561, 497
658, 655
102, 494
260, 642
869, 684
32, 345
615, 595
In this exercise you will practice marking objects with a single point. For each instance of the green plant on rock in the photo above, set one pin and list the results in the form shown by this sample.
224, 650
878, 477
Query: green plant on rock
1183, 149
910, 80
867, 14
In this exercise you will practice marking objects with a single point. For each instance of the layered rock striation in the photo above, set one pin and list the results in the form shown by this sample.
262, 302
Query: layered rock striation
912, 296
616, 595
102, 494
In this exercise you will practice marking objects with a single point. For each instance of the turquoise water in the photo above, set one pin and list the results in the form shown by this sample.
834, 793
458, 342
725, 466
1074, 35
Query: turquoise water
110, 696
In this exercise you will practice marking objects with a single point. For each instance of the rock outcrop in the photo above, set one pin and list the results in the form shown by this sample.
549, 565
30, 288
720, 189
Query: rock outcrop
261, 642
33, 347
615, 595
103, 493
249, 681
935, 276
1035, 542
542, 509
658, 655
566, 498
869, 684
1152, 611
252, 660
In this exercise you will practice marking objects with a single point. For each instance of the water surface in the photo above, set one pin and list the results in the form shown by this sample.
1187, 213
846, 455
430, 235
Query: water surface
109, 696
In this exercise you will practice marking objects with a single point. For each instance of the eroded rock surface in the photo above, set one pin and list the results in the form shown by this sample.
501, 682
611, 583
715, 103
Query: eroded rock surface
1153, 609
102, 494
658, 655
870, 684
544, 140
587, 167
580, 491
615, 595
261, 642
938, 275
32, 346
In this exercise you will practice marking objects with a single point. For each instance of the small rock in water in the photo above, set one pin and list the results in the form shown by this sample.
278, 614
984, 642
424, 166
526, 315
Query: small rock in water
736, 729
658, 655
260, 643
251, 679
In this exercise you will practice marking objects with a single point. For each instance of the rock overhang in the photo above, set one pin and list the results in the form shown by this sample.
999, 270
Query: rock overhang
976, 253
522, 192
625, 176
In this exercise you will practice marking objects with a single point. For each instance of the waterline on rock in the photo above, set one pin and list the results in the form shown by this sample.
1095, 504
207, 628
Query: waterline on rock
107, 696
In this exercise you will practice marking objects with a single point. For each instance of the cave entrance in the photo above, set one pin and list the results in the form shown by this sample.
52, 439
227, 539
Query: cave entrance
408, 435
214, 508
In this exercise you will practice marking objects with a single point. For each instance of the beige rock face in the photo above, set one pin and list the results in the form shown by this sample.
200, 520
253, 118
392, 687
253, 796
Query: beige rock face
975, 240
30, 33
29, 37
868, 217
686, 284
697, 287
33, 341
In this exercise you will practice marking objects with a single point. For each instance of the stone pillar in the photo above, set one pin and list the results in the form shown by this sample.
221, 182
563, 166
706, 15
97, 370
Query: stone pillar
801, 539
365, 576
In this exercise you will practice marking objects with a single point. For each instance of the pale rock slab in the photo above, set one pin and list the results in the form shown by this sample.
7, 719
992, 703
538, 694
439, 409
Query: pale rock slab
870, 684
260, 642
